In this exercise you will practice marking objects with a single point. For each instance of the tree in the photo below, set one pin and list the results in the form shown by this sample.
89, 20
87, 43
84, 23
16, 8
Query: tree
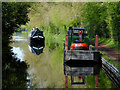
14, 72
13, 15
94, 19
115, 20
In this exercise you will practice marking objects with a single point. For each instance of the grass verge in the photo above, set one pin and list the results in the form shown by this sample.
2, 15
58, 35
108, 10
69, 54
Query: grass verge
116, 64
110, 43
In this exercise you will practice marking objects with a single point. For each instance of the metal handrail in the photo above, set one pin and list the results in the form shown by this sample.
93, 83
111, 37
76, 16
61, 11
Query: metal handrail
110, 66
112, 72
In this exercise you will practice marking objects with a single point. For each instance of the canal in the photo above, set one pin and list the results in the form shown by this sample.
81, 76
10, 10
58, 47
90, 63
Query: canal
46, 70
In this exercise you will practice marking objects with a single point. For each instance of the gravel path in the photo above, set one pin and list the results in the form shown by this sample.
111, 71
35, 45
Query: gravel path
110, 52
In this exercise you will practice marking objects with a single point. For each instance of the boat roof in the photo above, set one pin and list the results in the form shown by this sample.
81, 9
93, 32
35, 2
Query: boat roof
78, 29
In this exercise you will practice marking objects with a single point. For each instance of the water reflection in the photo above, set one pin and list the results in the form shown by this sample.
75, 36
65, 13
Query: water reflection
78, 72
14, 71
18, 52
46, 70
19, 38
36, 47
36, 41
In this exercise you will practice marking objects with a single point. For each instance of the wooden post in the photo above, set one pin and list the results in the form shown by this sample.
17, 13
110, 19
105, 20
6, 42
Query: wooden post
96, 48
66, 42
96, 81
80, 35
96, 43
79, 77
66, 81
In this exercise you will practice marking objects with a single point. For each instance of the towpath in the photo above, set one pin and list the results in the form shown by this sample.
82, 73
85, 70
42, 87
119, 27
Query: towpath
110, 52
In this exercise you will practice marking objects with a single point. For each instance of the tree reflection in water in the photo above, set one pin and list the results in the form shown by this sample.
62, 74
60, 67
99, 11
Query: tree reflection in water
14, 71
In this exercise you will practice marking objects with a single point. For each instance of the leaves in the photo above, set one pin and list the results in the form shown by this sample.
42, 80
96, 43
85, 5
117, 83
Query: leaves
14, 15
102, 19
14, 72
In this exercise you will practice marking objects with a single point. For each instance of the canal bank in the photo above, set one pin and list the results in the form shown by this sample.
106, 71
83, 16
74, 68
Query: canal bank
46, 70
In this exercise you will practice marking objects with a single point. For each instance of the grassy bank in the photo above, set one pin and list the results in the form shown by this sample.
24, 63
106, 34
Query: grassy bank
117, 65
110, 43
58, 38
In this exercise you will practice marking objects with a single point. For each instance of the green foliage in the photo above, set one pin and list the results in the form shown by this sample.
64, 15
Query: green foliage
104, 81
14, 72
54, 40
94, 16
13, 15
103, 19
55, 17
115, 15
110, 43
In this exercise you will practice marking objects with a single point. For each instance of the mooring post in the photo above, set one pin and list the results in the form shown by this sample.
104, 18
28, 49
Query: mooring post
66, 42
96, 42
96, 48
96, 81
80, 35
79, 77
66, 81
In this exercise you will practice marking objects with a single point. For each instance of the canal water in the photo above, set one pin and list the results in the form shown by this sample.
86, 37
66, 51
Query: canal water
47, 70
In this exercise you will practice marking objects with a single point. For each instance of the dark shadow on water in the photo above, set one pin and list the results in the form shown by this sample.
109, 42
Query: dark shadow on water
81, 63
36, 47
14, 72
80, 70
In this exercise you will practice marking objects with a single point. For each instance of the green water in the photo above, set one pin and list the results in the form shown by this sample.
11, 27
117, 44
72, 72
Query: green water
46, 70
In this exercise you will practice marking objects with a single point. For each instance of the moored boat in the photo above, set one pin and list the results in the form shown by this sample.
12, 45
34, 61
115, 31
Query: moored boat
37, 35
36, 41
